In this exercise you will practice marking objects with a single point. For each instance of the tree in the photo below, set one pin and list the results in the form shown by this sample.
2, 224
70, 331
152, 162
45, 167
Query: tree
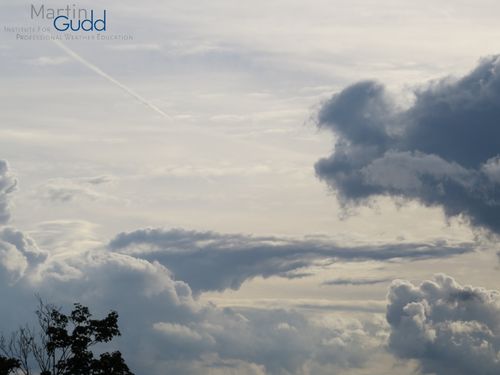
63, 345
8, 365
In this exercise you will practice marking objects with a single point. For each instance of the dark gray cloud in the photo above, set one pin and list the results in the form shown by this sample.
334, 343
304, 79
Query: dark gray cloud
214, 261
444, 150
357, 282
7, 185
448, 328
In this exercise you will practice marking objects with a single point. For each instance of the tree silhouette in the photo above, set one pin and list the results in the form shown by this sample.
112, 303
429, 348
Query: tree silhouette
63, 345
8, 365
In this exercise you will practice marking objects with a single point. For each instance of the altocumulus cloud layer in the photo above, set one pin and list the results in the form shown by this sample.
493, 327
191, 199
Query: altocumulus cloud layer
442, 151
450, 329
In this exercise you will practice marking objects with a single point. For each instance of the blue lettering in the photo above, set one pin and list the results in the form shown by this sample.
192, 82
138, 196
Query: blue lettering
89, 21
73, 26
103, 21
65, 25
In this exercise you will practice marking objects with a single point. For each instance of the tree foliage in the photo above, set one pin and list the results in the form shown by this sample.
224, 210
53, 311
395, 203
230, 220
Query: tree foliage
8, 365
62, 345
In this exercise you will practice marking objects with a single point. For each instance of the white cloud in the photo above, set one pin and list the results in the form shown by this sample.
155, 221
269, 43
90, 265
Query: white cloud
12, 260
180, 333
449, 328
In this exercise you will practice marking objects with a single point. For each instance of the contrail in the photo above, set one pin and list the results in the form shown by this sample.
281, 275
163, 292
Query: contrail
128, 90
147, 103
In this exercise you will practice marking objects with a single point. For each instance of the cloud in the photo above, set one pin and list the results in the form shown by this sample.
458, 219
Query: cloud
7, 185
23, 243
49, 60
450, 329
444, 150
367, 306
65, 190
18, 252
67, 193
357, 282
153, 277
166, 329
98, 180
13, 261
136, 47
179, 332
214, 261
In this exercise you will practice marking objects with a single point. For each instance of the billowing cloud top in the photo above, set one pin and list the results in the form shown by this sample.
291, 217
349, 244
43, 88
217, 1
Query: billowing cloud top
442, 151
450, 329
18, 252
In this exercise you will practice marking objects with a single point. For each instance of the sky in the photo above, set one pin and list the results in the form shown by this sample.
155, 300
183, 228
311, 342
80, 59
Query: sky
261, 188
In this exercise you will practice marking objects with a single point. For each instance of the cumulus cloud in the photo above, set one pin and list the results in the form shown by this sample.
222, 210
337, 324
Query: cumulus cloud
19, 255
22, 247
215, 261
180, 333
449, 328
444, 150
166, 329
12, 261
18, 252
152, 277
